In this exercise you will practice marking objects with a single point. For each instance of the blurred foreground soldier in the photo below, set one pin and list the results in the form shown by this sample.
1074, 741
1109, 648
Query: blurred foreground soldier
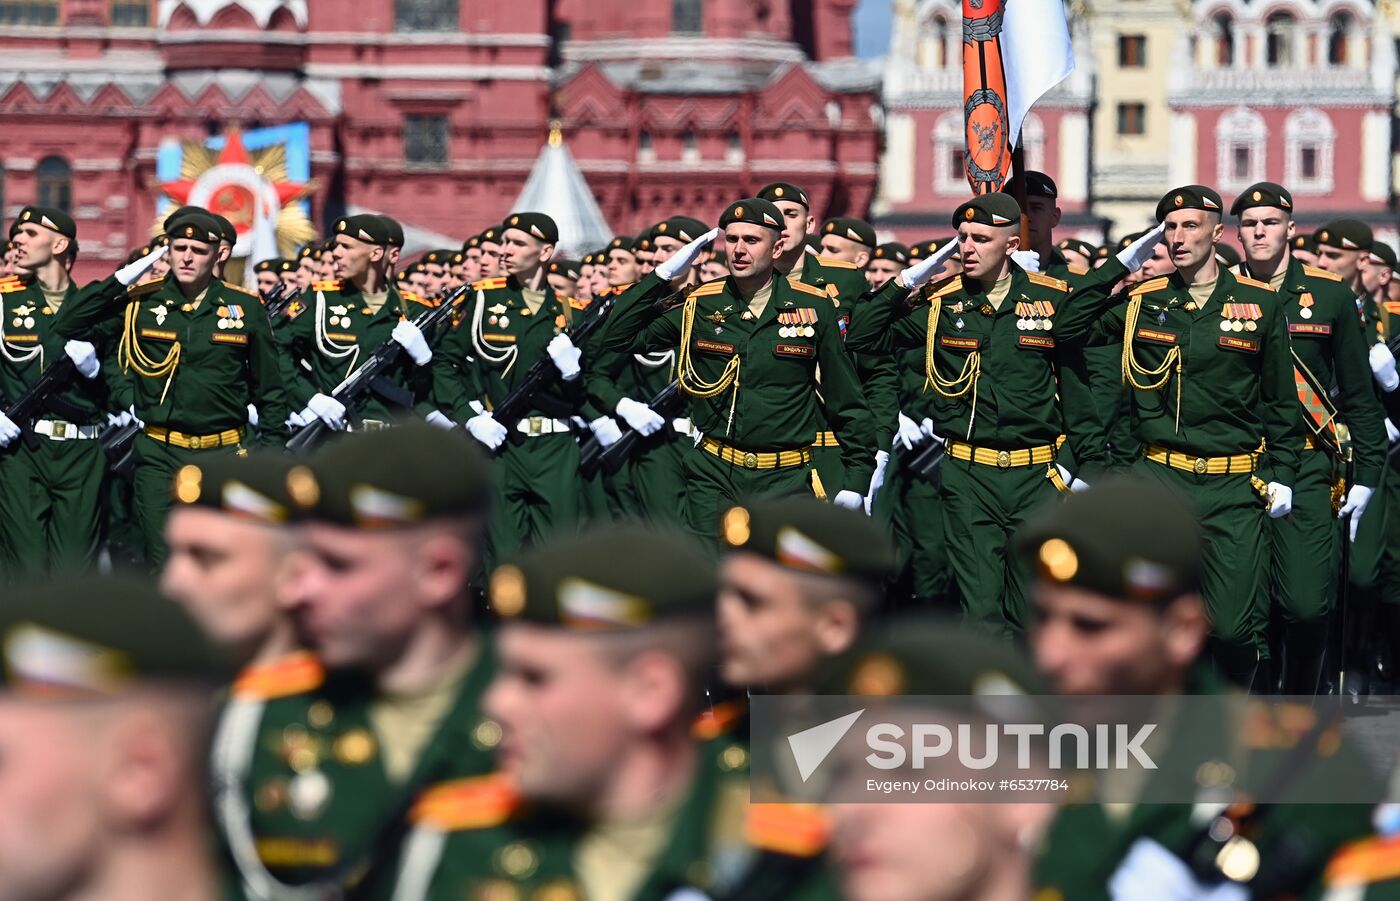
1119, 612
945, 851
104, 715
603, 669
799, 579
313, 771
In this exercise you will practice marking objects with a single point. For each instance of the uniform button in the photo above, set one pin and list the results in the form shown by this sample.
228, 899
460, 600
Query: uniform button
751, 461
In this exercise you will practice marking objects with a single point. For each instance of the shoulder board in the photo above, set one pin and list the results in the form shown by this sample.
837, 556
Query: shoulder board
1315, 272
808, 289
1079, 270
577, 304
954, 283
1046, 281
488, 284
1392, 307
141, 289
418, 299
293, 674
705, 290
836, 264
479, 802
241, 290
331, 284
1245, 280
1148, 287
620, 289
10, 287
718, 720
797, 830
1370, 860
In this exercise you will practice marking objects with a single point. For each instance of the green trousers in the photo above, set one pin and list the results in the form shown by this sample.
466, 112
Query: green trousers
1234, 566
1369, 551
983, 507
537, 493
62, 497
152, 487
712, 486
831, 469
913, 510
1304, 558
658, 477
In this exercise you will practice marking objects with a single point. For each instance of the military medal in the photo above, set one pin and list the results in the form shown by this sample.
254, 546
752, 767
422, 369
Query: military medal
1305, 302
340, 316
308, 793
797, 323
160, 313
958, 324
497, 312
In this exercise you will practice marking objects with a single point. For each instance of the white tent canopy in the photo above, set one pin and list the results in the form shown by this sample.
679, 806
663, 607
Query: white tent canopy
557, 188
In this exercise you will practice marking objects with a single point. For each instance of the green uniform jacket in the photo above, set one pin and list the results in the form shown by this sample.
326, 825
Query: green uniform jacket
1328, 340
613, 375
774, 404
493, 344
227, 359
343, 325
1236, 388
1077, 377
1016, 394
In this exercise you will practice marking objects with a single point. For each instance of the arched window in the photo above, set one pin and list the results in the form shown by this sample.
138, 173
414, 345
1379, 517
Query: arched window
690, 148
1033, 140
645, 152
1278, 39
1241, 138
734, 148
950, 155
1339, 39
687, 16
425, 15
55, 184
29, 12
1309, 137
931, 54
1223, 28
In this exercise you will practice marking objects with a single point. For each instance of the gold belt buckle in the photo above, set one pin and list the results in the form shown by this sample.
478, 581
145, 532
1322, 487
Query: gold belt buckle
1003, 459
196, 442
536, 425
1200, 466
751, 461
60, 430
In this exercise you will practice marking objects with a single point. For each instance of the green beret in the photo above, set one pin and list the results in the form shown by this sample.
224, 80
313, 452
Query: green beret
181, 211
227, 233
1227, 255
274, 265
1127, 239
1100, 540
683, 228
1264, 193
753, 211
135, 255
1038, 184
95, 636
642, 241
893, 250
783, 190
402, 276
1347, 234
1189, 197
193, 226
1078, 246
804, 534
457, 258
418, 266
252, 488
1382, 253
853, 229
1304, 242
989, 209
286, 265
395, 477
471, 243
308, 251
45, 217
536, 225
491, 235
365, 227
566, 268
393, 230
624, 243
1103, 253
813, 244
930, 657
577, 582
437, 257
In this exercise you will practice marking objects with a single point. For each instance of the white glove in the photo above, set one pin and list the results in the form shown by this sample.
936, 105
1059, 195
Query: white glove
643, 419
850, 500
295, 421
1028, 260
1392, 434
1151, 871
920, 273
84, 356
1070, 481
605, 429
441, 420
8, 431
411, 339
484, 428
682, 259
327, 409
119, 420
1136, 254
1355, 505
1383, 365
1280, 500
131, 272
907, 434
928, 429
565, 356
252, 416
877, 480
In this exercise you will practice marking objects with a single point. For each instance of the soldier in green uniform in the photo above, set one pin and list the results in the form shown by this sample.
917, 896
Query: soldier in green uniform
1214, 406
1327, 349
506, 325
268, 276
563, 278
849, 240
888, 260
1344, 249
1119, 610
341, 322
622, 265
990, 338
199, 352
747, 353
315, 775
492, 263
52, 491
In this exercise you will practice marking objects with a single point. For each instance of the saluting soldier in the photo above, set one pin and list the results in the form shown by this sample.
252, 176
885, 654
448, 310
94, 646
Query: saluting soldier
505, 326
341, 322
1327, 349
747, 353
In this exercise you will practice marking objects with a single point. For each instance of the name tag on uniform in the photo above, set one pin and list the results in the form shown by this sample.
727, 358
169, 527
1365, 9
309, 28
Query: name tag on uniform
498, 339
715, 347
1248, 345
1039, 342
342, 338
159, 334
1148, 334
794, 350
959, 343
1306, 328
231, 338
22, 339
